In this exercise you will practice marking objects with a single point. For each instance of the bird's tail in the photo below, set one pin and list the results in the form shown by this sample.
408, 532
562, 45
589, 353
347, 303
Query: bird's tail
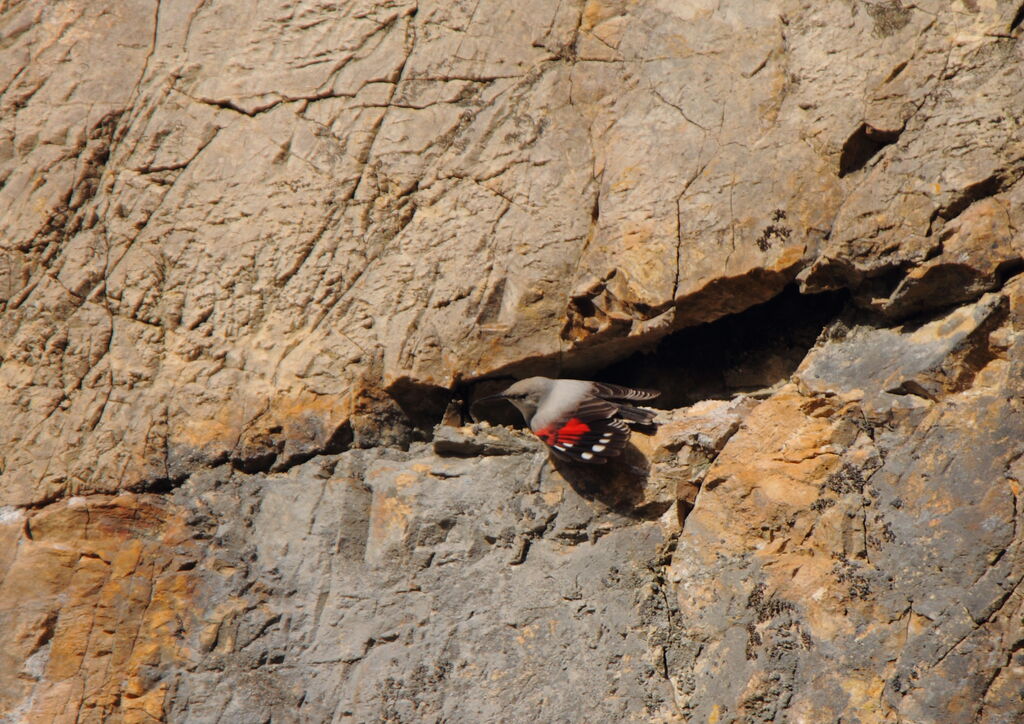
638, 418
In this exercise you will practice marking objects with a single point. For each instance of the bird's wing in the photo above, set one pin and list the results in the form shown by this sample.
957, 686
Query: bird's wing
636, 415
618, 392
591, 434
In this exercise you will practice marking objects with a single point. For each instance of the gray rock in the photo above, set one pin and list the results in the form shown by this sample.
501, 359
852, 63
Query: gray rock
474, 441
394, 586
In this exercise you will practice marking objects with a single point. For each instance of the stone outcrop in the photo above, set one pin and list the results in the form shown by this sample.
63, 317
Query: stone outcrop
257, 260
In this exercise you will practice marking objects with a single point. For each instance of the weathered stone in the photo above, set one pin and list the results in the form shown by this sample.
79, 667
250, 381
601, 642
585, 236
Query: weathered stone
681, 451
252, 255
832, 571
882, 367
95, 598
356, 617
474, 441
944, 141
560, 198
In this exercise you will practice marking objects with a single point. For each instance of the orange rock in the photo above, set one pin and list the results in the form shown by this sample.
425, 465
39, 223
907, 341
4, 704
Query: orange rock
93, 599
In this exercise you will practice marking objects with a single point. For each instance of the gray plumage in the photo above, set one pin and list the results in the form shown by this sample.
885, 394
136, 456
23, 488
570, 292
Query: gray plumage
580, 420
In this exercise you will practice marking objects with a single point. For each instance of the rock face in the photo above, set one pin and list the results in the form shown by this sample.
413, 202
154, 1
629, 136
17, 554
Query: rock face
258, 258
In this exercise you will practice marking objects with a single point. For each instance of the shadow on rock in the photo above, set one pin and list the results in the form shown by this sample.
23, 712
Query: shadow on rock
621, 484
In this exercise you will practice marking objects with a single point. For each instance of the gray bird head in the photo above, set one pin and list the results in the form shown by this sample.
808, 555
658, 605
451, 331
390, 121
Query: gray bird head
526, 395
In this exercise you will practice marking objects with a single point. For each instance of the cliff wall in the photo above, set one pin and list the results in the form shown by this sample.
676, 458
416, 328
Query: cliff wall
257, 258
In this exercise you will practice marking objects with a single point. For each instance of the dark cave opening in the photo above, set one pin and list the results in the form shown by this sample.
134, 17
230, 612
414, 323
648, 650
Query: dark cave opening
863, 145
1018, 18
742, 352
422, 405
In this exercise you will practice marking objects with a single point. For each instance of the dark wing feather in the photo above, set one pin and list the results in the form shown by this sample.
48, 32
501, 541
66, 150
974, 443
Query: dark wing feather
594, 408
635, 415
605, 439
617, 392
592, 434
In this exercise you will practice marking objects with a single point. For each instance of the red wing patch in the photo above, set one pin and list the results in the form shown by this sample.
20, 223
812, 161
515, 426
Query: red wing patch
590, 443
568, 434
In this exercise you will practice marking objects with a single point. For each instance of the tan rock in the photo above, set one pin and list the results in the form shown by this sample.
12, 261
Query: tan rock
406, 203
95, 595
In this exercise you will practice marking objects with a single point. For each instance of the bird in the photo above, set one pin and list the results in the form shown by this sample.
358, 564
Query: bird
579, 420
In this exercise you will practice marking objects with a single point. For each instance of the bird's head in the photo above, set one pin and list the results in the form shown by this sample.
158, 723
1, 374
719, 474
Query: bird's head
525, 395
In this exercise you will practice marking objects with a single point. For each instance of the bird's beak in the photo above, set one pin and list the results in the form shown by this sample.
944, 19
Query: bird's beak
489, 398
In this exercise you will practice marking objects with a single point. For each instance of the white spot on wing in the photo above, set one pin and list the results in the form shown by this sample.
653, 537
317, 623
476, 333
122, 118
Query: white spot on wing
597, 448
586, 455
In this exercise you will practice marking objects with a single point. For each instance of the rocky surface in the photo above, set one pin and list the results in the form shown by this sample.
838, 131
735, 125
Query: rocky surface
257, 259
